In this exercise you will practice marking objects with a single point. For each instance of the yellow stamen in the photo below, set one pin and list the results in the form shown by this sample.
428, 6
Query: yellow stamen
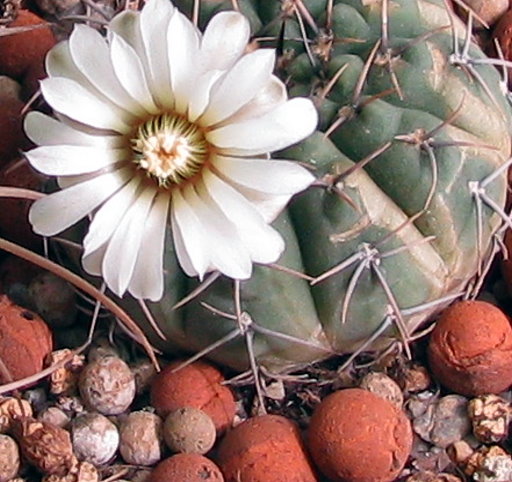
170, 148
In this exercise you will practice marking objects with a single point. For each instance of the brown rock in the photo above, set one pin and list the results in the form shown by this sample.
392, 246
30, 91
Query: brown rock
429, 476
11, 129
490, 464
186, 468
25, 341
24, 53
506, 264
197, 385
490, 11
45, 446
470, 349
79, 472
356, 436
267, 448
14, 224
490, 416
444, 422
12, 409
503, 34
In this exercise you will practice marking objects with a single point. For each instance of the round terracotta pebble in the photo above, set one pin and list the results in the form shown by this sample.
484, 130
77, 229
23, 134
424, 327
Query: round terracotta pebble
356, 436
186, 468
24, 52
267, 448
25, 341
197, 385
470, 349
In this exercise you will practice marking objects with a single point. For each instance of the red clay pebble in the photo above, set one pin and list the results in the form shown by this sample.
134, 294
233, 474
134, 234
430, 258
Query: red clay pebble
197, 385
267, 448
23, 54
356, 436
186, 468
25, 341
470, 349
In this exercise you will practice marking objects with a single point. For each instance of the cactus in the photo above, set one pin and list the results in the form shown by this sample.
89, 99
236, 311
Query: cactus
408, 207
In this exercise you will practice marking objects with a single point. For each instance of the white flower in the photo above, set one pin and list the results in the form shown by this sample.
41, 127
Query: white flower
160, 124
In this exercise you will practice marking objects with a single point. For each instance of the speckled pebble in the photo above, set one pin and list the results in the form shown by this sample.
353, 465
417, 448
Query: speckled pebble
141, 438
95, 438
189, 430
383, 386
107, 385
9, 458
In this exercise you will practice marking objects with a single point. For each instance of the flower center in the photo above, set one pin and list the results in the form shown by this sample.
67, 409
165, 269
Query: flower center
169, 148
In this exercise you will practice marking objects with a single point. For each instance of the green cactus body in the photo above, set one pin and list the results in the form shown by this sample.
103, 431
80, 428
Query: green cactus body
406, 210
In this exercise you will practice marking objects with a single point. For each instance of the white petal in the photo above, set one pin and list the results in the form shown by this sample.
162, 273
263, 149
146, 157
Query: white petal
127, 25
248, 76
273, 176
154, 21
107, 217
76, 102
59, 63
189, 237
148, 277
264, 243
224, 40
200, 96
90, 54
55, 213
183, 46
68, 181
125, 244
267, 99
73, 160
287, 124
269, 206
45, 130
225, 249
181, 253
92, 262
129, 70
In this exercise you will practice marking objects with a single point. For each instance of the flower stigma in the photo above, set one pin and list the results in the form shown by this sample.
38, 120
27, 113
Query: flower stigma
169, 148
